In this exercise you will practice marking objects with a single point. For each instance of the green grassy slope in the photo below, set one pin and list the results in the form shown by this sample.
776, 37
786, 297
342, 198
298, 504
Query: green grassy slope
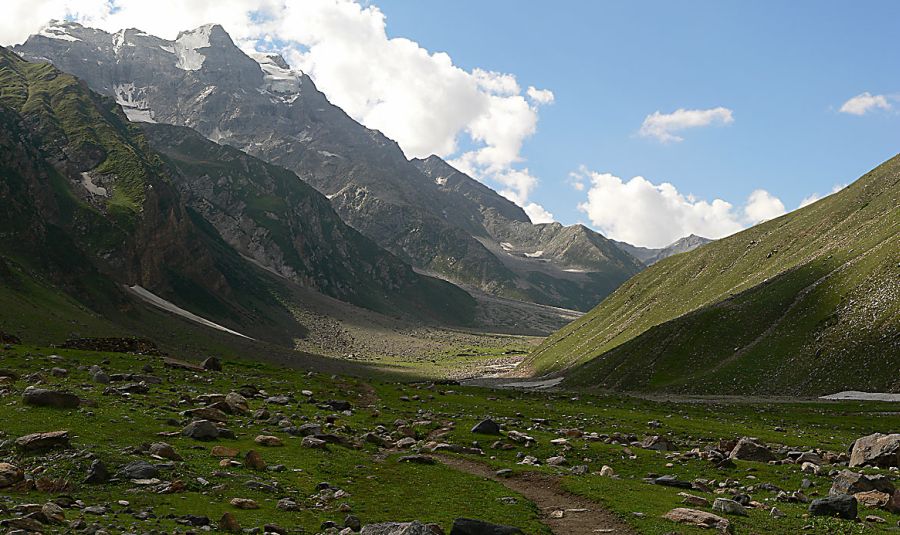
803, 304
379, 488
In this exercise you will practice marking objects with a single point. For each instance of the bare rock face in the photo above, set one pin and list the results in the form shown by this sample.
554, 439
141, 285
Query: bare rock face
878, 450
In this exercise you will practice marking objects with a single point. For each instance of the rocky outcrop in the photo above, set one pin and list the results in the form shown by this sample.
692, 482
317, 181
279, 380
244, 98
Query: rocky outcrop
876, 450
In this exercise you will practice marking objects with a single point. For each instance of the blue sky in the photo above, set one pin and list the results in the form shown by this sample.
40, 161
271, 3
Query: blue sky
784, 68
460, 79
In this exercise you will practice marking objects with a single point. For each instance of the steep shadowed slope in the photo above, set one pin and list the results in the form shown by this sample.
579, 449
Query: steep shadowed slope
90, 208
807, 303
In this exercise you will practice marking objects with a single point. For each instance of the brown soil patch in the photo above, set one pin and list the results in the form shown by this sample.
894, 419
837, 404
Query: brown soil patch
580, 515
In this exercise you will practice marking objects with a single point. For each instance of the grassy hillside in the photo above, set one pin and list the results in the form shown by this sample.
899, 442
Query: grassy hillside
803, 304
407, 419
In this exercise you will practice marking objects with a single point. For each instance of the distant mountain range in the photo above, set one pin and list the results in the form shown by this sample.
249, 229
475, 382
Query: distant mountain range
437, 219
805, 304
650, 256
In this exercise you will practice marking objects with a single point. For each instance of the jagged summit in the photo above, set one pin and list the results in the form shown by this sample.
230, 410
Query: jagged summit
426, 212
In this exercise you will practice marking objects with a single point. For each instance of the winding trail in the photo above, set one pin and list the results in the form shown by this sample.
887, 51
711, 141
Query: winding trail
580, 515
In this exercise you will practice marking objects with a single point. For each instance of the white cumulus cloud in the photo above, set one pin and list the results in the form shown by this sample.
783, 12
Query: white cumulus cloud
417, 97
816, 196
762, 206
865, 102
642, 213
540, 96
663, 126
538, 213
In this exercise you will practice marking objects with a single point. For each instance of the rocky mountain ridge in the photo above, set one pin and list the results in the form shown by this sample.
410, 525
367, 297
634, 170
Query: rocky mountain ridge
429, 214
91, 208
649, 256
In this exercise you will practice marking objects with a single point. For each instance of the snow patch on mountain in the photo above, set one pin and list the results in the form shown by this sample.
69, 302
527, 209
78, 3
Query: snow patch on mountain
278, 75
187, 45
54, 30
88, 182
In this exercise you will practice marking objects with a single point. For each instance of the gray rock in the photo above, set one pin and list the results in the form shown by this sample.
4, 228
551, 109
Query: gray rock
849, 482
42, 397
212, 364
10, 475
876, 450
730, 507
97, 473
201, 430
486, 427
139, 470
672, 481
841, 506
41, 442
748, 449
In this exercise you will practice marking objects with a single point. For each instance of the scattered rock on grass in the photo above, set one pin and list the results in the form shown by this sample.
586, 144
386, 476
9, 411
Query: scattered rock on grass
841, 506
694, 517
201, 430
10, 475
748, 449
42, 397
40, 442
487, 427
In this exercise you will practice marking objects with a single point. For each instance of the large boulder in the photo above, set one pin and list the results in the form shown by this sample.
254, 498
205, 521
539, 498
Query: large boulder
42, 397
702, 519
850, 482
40, 442
487, 427
399, 528
97, 473
658, 443
841, 506
201, 430
729, 507
749, 449
468, 526
139, 470
237, 403
165, 451
10, 475
876, 450
212, 364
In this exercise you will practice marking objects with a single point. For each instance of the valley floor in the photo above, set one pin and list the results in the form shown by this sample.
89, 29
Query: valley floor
301, 451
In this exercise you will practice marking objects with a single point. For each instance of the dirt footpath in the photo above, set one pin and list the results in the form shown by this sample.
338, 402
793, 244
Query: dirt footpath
580, 516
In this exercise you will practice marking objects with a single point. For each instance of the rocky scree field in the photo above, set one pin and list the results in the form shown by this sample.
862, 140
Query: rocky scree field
95, 442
